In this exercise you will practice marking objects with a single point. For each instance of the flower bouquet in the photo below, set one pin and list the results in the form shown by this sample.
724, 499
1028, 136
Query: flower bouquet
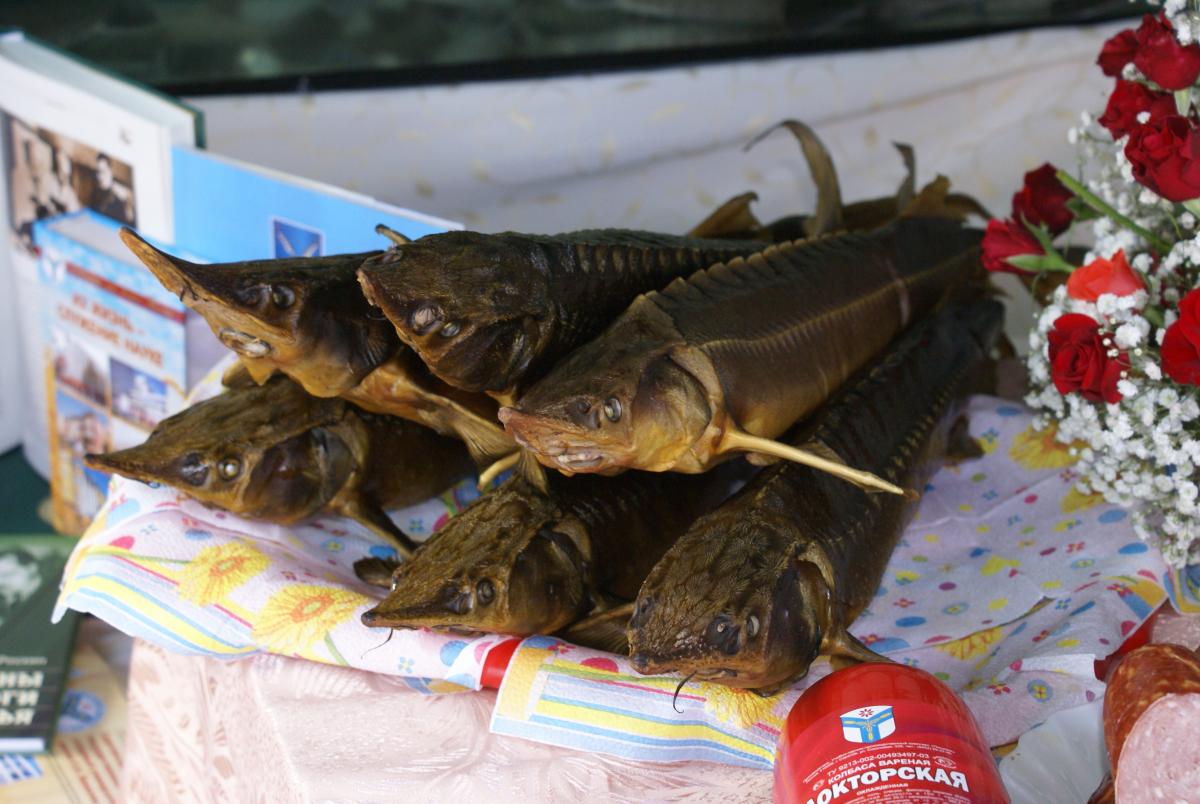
1114, 359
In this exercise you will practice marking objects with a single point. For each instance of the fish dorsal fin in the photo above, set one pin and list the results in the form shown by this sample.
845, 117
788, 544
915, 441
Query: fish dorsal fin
908, 187
936, 201
828, 215
736, 440
391, 234
731, 219
603, 631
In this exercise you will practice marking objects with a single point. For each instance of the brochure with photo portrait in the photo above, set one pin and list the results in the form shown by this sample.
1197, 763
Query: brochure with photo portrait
35, 656
72, 137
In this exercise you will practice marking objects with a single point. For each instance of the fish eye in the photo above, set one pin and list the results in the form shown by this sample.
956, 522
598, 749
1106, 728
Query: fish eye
612, 409
449, 330
425, 317
752, 626
282, 296
229, 468
485, 592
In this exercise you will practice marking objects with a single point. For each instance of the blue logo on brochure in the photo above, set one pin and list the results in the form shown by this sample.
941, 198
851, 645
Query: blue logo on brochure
294, 240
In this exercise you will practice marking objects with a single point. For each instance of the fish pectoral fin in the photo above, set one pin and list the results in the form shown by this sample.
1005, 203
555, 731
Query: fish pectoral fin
373, 518
741, 441
960, 444
529, 468
376, 571
486, 443
731, 219
843, 649
238, 376
603, 631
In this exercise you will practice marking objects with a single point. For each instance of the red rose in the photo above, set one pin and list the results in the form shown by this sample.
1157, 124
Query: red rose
1043, 199
1161, 58
1181, 344
1079, 360
1104, 276
1004, 239
1117, 52
1130, 99
1165, 155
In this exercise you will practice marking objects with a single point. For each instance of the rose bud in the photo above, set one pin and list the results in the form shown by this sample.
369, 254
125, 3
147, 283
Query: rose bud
1004, 239
1043, 199
1117, 52
1099, 276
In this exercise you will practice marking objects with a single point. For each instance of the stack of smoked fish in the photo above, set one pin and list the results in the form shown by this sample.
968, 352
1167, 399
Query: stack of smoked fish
633, 381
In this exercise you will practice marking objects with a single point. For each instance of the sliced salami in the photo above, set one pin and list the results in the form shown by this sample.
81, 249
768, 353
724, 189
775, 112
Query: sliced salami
1160, 760
1141, 678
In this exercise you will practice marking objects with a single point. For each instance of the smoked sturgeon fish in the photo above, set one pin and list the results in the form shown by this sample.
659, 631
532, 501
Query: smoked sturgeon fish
307, 318
730, 358
526, 562
756, 590
276, 453
486, 311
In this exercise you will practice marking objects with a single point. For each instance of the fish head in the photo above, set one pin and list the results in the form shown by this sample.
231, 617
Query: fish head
471, 305
247, 451
304, 316
729, 607
513, 562
619, 402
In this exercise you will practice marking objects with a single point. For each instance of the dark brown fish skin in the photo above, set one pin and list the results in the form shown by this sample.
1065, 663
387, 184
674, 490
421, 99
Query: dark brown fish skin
518, 302
305, 316
276, 453
543, 560
771, 579
751, 346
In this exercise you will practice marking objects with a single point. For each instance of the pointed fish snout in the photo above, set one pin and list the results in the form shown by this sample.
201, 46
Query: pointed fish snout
369, 617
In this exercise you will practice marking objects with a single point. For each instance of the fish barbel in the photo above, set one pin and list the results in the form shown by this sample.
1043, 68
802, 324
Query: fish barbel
730, 358
276, 453
756, 590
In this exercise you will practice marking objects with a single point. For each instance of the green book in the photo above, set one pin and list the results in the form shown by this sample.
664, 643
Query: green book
35, 656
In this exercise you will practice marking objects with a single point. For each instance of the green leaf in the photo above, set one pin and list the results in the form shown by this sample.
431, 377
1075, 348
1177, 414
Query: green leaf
1039, 263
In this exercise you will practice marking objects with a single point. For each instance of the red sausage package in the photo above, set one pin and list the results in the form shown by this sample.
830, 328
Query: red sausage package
883, 733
